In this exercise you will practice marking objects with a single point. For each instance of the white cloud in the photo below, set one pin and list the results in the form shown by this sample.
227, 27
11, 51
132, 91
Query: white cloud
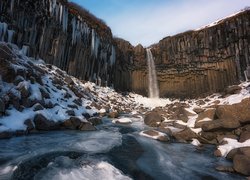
147, 25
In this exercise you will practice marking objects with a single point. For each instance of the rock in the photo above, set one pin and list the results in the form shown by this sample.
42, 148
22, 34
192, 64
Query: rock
25, 90
241, 164
242, 151
41, 123
6, 135
225, 169
70, 112
113, 114
95, 121
238, 111
153, 119
38, 107
198, 110
156, 135
217, 153
200, 102
73, 123
220, 124
208, 113
2, 107
221, 137
69, 80
232, 153
245, 135
86, 126
185, 135
122, 121
29, 125
44, 93
233, 89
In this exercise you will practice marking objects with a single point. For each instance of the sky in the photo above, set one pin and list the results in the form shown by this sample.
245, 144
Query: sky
148, 21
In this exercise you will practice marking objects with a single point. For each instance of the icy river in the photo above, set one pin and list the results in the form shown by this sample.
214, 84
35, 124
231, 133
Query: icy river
112, 152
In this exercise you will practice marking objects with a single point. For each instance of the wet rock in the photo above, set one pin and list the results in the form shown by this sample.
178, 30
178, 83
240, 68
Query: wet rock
43, 124
95, 121
113, 114
73, 123
2, 107
29, 125
221, 124
217, 153
241, 164
153, 119
233, 89
225, 169
86, 126
6, 135
38, 107
245, 135
156, 135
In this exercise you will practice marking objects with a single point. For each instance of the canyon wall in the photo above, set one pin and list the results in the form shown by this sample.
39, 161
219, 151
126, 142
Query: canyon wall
62, 34
193, 63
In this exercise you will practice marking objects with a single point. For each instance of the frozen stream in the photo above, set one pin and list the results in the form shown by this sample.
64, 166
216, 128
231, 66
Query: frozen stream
112, 152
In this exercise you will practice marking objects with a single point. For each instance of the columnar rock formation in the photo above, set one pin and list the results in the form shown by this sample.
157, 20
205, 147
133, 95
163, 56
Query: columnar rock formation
62, 34
196, 62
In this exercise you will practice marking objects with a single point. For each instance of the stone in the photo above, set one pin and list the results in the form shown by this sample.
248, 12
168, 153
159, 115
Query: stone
29, 125
70, 112
208, 113
245, 135
95, 121
25, 91
238, 111
198, 110
220, 138
233, 89
185, 135
221, 124
225, 169
241, 164
86, 126
38, 107
2, 107
69, 80
113, 114
153, 119
6, 135
44, 93
73, 123
217, 153
43, 124
160, 136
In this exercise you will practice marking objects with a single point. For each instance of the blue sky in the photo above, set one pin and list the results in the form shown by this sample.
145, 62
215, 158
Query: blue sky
148, 21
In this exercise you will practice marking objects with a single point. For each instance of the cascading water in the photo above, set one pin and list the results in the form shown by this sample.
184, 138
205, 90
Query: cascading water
152, 78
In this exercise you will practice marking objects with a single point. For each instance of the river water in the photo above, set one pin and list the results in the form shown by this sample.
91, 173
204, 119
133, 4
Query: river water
112, 152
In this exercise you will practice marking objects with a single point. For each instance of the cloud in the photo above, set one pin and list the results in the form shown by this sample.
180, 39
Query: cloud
149, 24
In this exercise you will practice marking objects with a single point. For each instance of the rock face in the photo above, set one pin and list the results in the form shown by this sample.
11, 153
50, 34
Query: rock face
61, 33
192, 63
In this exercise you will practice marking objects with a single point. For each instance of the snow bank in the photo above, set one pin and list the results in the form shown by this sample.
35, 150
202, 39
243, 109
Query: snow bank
232, 144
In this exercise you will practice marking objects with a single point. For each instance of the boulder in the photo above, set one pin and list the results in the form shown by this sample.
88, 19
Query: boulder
70, 112
243, 151
95, 121
6, 135
43, 124
221, 124
2, 107
113, 114
245, 135
225, 169
208, 113
185, 135
29, 125
238, 111
241, 164
38, 107
233, 89
156, 135
86, 126
198, 110
153, 119
73, 123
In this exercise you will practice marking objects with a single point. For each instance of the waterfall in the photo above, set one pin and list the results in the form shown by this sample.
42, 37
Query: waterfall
152, 78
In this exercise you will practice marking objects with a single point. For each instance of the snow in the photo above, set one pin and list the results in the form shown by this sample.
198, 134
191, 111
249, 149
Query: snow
196, 142
102, 111
232, 144
122, 120
205, 119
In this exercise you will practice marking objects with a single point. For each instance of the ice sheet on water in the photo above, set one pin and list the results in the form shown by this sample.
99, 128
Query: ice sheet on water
64, 168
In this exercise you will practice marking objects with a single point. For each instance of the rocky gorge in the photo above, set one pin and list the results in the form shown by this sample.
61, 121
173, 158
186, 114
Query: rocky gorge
57, 64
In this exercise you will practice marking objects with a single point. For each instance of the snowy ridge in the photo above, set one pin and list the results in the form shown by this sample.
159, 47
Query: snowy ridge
223, 19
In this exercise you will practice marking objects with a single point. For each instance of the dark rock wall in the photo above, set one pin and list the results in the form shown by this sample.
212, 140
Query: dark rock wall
195, 63
62, 34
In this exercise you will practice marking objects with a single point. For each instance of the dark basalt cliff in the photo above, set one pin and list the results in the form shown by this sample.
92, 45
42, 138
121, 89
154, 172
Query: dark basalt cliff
192, 63
61, 33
